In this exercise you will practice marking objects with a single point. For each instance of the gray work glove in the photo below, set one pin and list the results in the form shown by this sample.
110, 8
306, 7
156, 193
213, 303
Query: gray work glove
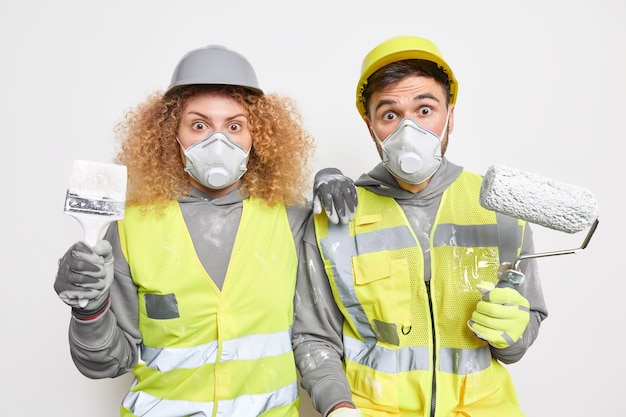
336, 193
346, 412
84, 277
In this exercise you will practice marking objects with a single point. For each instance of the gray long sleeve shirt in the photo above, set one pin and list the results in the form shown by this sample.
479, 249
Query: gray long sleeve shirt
108, 346
317, 330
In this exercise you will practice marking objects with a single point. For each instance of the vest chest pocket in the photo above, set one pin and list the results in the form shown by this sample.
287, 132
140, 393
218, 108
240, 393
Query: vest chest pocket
383, 288
161, 306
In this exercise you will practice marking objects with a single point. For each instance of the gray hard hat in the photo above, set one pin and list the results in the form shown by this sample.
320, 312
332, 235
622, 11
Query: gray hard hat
214, 64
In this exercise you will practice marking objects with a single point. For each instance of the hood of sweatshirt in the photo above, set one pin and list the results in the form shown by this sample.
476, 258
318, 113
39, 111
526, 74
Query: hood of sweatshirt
381, 182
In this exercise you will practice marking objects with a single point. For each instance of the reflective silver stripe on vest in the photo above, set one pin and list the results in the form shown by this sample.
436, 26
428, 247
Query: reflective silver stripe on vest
506, 234
244, 348
254, 405
340, 247
145, 405
416, 358
409, 358
257, 346
509, 237
464, 361
459, 235
168, 359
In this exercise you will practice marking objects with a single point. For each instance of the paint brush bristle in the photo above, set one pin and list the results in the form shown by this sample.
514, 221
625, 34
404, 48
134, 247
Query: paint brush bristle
96, 196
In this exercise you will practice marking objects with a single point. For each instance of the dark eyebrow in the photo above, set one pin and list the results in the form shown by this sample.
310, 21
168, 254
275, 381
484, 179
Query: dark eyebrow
383, 103
425, 96
418, 97
204, 116
239, 115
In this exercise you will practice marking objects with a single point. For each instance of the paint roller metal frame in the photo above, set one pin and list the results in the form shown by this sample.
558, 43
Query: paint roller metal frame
512, 277
504, 188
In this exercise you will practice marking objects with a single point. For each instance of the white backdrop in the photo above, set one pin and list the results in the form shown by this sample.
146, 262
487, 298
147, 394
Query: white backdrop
541, 87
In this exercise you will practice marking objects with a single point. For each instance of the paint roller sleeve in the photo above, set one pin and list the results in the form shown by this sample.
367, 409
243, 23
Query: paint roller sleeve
536, 199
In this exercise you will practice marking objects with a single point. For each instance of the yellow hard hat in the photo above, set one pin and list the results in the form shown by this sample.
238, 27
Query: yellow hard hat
398, 49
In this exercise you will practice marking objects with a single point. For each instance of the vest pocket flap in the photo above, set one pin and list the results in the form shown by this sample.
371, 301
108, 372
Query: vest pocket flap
371, 267
367, 219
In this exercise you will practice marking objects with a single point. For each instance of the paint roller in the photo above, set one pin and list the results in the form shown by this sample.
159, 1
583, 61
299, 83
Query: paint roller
539, 200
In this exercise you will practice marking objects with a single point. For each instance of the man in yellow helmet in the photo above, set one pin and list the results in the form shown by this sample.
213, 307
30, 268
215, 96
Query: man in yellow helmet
399, 314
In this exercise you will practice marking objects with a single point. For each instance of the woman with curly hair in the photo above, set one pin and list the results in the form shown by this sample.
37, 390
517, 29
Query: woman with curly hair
193, 291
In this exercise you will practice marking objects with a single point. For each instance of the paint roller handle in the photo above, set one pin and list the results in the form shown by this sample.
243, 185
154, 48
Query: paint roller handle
510, 278
590, 233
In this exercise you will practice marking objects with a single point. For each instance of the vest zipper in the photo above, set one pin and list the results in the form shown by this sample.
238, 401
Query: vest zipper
434, 364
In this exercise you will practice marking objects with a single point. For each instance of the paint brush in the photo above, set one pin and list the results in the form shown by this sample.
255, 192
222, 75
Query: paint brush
96, 196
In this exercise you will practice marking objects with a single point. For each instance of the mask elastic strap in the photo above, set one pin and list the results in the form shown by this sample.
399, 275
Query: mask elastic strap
445, 127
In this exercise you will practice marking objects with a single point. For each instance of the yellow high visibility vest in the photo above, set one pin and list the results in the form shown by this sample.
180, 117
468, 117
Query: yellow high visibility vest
393, 359
206, 351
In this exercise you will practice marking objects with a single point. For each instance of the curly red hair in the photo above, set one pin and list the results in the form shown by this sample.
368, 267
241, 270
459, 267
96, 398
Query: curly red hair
278, 165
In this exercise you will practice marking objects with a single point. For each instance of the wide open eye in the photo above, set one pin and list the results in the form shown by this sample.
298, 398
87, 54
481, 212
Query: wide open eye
199, 126
234, 127
389, 116
425, 111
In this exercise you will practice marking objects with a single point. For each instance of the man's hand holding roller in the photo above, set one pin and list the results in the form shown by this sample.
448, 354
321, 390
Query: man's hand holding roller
501, 315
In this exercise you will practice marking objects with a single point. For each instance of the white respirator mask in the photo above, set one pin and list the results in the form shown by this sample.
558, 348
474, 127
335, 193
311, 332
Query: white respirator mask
411, 152
216, 162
